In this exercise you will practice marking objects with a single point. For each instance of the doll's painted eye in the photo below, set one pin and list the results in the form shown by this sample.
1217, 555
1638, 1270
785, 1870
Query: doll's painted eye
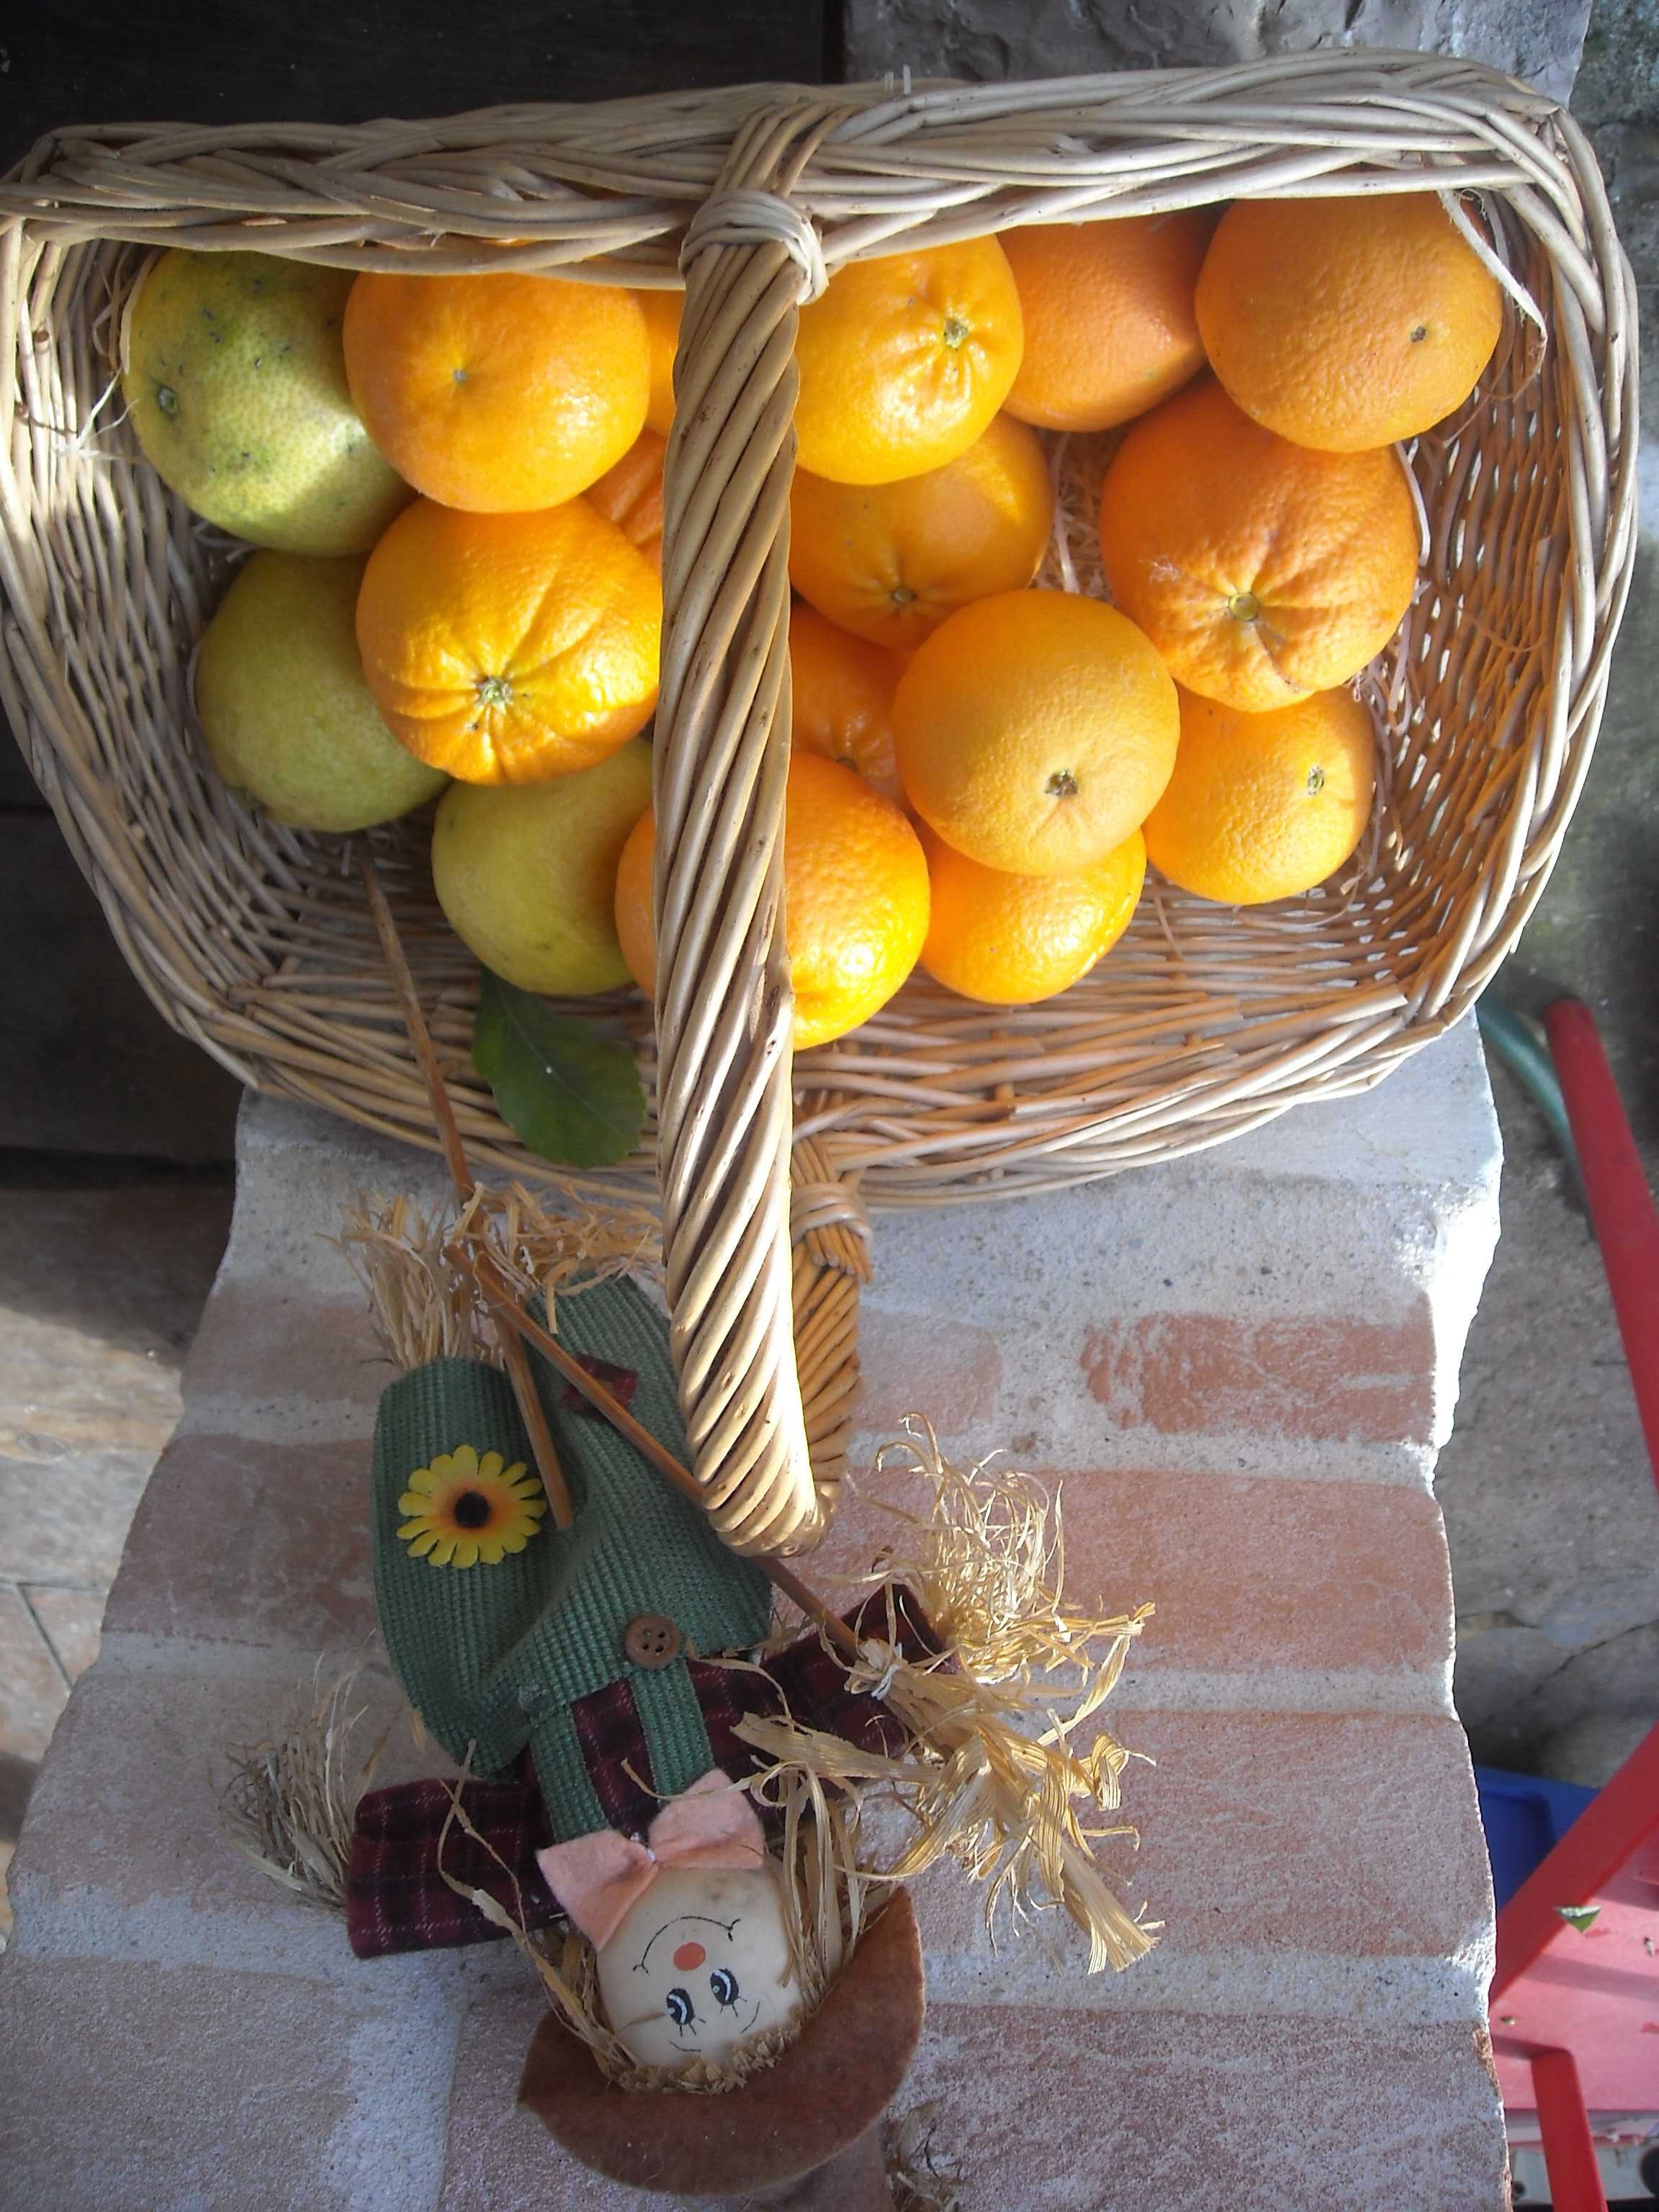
724, 1983
681, 2010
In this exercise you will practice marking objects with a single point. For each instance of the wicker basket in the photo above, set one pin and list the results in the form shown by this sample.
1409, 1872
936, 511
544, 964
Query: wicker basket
1204, 1022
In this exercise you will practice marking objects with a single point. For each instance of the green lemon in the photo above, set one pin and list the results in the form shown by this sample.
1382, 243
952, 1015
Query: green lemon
282, 704
235, 382
527, 873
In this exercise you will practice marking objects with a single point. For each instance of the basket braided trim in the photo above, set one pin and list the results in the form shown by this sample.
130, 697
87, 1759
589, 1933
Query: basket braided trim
1204, 1022
724, 1006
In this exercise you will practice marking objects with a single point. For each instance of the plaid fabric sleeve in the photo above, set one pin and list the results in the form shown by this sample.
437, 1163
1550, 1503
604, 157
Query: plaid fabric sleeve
809, 1680
397, 1899
814, 1680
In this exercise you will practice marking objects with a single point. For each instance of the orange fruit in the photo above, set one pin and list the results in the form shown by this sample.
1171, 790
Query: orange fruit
855, 899
1035, 731
841, 693
1262, 571
497, 393
904, 360
890, 561
1108, 307
1264, 806
509, 649
1009, 941
630, 495
1346, 324
662, 312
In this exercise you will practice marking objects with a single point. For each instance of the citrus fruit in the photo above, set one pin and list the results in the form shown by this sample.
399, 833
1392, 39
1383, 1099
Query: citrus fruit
507, 648
1346, 324
904, 360
854, 894
1264, 806
1009, 941
841, 692
1108, 308
236, 387
283, 707
662, 312
497, 393
1035, 731
630, 495
1261, 570
890, 561
527, 877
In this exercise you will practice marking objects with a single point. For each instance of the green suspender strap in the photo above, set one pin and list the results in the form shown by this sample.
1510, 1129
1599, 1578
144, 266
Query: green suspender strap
494, 1655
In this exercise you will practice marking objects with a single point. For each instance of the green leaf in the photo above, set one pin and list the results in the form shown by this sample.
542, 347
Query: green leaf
572, 1094
1581, 1917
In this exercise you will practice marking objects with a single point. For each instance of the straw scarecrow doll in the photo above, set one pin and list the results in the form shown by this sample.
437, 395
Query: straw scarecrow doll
659, 1796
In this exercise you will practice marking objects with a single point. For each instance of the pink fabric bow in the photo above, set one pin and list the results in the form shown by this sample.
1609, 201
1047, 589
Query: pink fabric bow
598, 1879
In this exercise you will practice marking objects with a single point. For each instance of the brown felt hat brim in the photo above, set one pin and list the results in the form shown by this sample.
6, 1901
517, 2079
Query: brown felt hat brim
826, 2090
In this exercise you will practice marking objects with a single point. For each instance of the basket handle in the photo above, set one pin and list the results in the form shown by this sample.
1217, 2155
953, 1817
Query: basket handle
723, 1005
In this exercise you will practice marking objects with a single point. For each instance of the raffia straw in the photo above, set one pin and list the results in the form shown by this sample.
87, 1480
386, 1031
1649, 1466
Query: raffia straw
918, 2181
290, 1800
423, 1307
993, 1778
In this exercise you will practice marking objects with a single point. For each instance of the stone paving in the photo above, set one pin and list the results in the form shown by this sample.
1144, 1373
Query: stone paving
99, 1292
1178, 1348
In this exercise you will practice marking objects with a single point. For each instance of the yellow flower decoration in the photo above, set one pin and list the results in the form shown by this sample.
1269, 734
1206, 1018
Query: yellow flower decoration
463, 1509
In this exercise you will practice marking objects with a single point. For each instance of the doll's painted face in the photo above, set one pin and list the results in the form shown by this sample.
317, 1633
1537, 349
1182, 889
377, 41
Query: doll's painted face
700, 1964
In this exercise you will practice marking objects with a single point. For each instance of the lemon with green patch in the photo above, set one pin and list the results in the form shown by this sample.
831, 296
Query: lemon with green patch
235, 384
287, 716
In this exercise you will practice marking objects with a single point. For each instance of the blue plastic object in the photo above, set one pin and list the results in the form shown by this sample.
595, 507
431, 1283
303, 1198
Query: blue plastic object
1525, 1817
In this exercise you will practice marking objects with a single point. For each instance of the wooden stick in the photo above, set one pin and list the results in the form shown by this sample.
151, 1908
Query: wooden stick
513, 1356
514, 1327
484, 1270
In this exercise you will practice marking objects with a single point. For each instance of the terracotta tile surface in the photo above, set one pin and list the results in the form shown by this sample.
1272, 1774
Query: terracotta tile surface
1284, 1832
498, 2154
256, 1543
71, 1619
1245, 1572
32, 1692
1352, 1380
1074, 2111
263, 1337
918, 1362
65, 1519
203, 2088
145, 1747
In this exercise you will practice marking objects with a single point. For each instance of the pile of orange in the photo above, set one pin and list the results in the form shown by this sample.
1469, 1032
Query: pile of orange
984, 767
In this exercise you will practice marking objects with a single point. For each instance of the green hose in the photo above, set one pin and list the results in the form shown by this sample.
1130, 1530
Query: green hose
1522, 1050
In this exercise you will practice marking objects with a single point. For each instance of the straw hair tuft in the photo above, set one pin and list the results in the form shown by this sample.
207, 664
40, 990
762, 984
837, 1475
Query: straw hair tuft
992, 1777
289, 1801
423, 1307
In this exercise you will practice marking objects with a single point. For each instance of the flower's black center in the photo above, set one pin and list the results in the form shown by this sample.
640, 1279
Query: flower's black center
471, 1509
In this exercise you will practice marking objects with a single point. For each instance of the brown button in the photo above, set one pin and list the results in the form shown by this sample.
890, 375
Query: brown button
651, 1640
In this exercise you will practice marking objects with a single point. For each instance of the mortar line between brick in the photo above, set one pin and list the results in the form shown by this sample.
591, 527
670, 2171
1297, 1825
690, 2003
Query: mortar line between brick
1083, 1446
1362, 1691
1392, 1989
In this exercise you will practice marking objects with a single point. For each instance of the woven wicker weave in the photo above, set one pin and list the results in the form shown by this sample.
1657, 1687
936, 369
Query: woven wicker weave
1203, 1022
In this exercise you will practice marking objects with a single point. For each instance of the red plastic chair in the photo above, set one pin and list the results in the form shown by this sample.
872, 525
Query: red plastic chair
1574, 1998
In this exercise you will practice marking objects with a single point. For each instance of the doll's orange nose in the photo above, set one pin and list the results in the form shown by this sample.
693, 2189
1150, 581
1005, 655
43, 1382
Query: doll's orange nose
689, 1956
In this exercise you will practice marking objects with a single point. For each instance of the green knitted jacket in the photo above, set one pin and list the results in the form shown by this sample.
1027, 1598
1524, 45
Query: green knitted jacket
493, 1657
